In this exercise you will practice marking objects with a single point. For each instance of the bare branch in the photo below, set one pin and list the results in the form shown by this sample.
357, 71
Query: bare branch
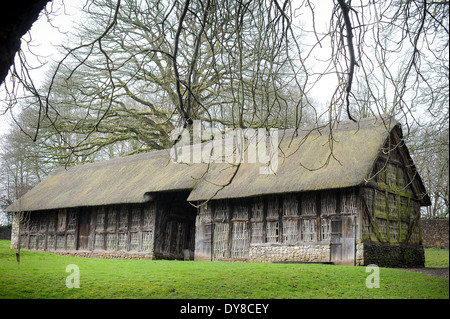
348, 26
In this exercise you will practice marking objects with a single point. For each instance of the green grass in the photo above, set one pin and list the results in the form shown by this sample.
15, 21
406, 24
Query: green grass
436, 258
43, 275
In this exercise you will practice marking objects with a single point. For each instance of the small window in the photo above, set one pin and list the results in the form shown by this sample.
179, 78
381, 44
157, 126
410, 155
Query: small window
290, 231
325, 228
135, 217
123, 218
272, 232
112, 219
257, 233
348, 205
308, 232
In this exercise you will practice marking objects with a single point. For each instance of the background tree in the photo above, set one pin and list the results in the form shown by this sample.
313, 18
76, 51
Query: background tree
151, 73
429, 148
136, 69
20, 165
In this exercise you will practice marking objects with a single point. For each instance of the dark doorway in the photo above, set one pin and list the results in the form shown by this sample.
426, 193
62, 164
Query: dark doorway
84, 227
175, 227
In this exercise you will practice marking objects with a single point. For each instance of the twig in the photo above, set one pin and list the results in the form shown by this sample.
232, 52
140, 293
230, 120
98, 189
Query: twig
348, 27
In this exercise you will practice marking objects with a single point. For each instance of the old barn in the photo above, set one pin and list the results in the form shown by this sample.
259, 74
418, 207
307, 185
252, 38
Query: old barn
351, 195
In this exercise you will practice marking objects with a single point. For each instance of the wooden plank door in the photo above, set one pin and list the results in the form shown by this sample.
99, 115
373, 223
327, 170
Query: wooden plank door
220, 241
203, 240
335, 236
348, 240
343, 240
84, 227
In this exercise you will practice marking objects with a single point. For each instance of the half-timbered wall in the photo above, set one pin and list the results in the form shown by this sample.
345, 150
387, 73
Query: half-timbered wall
391, 210
390, 220
112, 228
247, 229
54, 230
163, 228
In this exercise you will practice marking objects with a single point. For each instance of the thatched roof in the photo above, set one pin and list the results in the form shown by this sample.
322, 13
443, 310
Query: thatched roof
310, 159
313, 160
126, 179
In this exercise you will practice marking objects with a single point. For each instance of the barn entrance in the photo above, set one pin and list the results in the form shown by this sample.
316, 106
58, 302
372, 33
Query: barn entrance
174, 227
83, 229
343, 240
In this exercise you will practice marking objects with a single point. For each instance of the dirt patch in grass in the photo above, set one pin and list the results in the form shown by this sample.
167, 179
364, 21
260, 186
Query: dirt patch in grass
433, 271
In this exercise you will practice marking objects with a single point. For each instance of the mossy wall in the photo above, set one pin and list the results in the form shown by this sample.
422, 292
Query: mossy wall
389, 255
391, 210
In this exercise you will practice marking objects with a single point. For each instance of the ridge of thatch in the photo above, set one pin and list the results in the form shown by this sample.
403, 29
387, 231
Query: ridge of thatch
313, 159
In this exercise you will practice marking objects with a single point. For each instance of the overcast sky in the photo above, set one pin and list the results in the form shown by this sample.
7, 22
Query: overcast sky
47, 36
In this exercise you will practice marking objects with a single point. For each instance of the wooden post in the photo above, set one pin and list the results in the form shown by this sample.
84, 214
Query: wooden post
230, 226
250, 204
264, 220
280, 218
129, 221
319, 213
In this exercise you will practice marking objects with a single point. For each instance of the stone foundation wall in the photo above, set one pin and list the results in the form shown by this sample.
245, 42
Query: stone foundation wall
435, 233
5, 232
389, 255
274, 252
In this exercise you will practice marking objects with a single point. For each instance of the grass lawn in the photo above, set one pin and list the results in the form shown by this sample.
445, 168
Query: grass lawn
436, 258
43, 275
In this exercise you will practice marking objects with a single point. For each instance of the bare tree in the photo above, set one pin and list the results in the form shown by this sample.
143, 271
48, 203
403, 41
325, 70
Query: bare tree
20, 170
140, 68
430, 151
253, 48
158, 65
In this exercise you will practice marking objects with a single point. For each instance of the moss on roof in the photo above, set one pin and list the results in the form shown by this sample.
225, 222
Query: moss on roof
315, 159
312, 160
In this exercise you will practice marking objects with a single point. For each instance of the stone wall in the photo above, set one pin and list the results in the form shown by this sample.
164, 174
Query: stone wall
389, 255
5, 232
435, 233
278, 252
